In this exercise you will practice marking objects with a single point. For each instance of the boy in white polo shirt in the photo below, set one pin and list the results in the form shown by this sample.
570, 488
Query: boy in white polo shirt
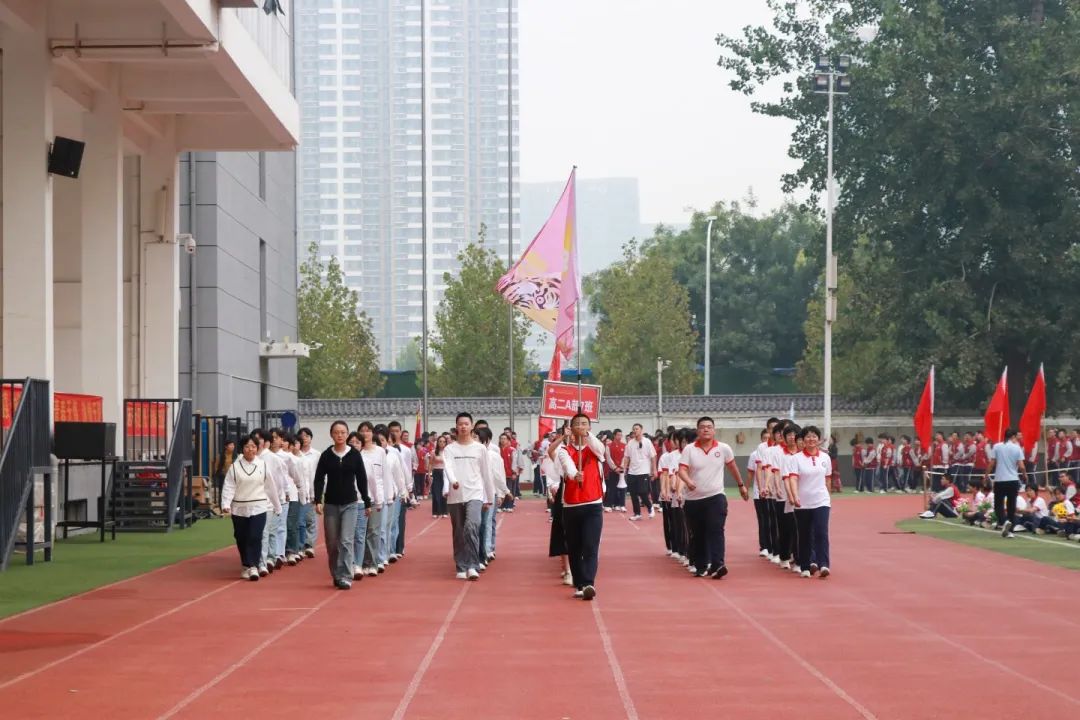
701, 470
808, 488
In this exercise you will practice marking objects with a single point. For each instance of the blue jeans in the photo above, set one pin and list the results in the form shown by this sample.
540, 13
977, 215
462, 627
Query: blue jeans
360, 536
384, 534
307, 529
275, 526
339, 527
374, 532
395, 528
487, 532
292, 528
280, 531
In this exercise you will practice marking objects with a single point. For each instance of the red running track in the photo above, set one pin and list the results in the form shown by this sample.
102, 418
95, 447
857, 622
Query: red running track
907, 627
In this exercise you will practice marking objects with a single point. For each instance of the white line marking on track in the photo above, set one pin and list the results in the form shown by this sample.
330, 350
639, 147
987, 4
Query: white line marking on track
82, 651
430, 525
839, 691
1026, 677
418, 677
244, 660
613, 663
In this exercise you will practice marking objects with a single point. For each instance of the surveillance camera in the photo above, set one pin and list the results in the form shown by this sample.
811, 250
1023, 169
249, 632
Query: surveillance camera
188, 241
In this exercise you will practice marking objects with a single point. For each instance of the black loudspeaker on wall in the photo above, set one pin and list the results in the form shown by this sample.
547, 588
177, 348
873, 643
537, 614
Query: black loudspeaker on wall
65, 158
84, 440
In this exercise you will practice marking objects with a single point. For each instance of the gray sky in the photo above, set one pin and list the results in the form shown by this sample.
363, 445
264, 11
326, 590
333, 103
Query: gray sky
630, 88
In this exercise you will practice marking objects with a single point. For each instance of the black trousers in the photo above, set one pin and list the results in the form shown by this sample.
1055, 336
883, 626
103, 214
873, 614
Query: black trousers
678, 530
762, 523
582, 526
438, 502
667, 523
813, 529
1005, 492
611, 493
706, 520
786, 522
640, 489
400, 545
248, 532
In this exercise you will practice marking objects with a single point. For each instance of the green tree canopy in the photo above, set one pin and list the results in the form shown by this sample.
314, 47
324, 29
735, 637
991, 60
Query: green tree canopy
643, 314
473, 329
764, 269
956, 159
345, 363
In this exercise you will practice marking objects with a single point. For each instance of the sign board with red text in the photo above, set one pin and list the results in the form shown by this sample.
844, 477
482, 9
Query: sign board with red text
560, 400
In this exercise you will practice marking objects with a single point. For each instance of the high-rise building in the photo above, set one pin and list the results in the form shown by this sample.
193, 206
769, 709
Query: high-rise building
360, 84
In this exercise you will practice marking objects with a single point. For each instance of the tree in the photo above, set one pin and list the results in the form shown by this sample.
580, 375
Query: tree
643, 314
764, 270
345, 360
959, 205
472, 330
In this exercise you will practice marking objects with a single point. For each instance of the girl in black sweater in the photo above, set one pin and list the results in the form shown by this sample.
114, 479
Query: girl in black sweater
340, 481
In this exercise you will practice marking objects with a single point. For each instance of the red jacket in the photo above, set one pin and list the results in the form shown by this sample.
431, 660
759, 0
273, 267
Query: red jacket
591, 488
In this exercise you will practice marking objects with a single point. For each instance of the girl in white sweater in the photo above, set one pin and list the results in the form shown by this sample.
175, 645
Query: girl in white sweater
248, 493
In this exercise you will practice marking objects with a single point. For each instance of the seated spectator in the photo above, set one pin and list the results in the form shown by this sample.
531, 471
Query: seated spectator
1063, 514
943, 503
1064, 481
982, 506
1036, 516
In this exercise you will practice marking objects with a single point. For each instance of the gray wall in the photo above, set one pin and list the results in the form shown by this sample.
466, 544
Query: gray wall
241, 198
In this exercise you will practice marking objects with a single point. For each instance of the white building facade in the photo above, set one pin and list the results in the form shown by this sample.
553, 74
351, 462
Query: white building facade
91, 265
360, 81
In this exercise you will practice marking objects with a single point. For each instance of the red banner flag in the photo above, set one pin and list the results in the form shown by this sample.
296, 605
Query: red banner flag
1031, 420
547, 424
416, 435
924, 415
997, 413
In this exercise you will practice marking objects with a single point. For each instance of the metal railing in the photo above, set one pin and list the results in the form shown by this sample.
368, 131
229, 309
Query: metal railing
158, 432
25, 411
178, 465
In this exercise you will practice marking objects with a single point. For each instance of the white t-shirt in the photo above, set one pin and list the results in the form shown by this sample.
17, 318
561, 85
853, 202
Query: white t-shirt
751, 465
778, 462
408, 457
638, 459
812, 472
1038, 507
706, 468
467, 465
375, 467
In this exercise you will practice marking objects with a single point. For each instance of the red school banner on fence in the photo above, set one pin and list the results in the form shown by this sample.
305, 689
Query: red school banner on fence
67, 407
561, 400
145, 419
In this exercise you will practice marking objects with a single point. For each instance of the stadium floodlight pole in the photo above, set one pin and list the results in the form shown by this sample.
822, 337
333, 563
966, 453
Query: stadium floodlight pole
510, 181
661, 363
830, 79
423, 214
708, 300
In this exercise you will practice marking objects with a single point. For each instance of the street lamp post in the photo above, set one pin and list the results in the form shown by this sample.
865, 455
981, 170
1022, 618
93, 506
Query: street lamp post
830, 79
661, 363
708, 301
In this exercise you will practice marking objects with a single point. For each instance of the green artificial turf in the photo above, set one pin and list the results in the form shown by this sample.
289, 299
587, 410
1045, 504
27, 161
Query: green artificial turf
82, 563
1041, 548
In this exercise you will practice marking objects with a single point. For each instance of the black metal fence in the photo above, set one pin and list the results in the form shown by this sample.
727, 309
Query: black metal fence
26, 439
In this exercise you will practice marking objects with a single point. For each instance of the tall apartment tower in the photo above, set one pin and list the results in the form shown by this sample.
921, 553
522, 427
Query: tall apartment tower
360, 87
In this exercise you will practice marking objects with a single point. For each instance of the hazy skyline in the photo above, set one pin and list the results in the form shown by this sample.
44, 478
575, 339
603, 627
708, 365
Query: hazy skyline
630, 88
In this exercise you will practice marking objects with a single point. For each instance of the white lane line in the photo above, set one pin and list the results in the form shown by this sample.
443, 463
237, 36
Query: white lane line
1023, 535
104, 641
613, 663
1028, 678
244, 660
418, 677
806, 665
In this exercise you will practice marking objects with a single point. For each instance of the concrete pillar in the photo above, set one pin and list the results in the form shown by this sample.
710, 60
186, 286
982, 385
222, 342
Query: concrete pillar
27, 203
102, 292
160, 292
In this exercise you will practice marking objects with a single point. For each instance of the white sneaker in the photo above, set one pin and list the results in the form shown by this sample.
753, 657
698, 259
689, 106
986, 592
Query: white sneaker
692, 569
805, 574
357, 572
763, 553
371, 572
291, 559
460, 576
669, 553
253, 574
685, 561
1019, 528
245, 574
472, 574
1008, 535
568, 580
928, 515
579, 594
310, 552
635, 518
786, 565
795, 569
622, 509
607, 509
1074, 537
824, 573
880, 492
482, 567
652, 512
775, 559
263, 572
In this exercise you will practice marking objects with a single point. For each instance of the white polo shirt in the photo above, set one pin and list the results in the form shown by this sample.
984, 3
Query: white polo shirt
751, 465
638, 459
706, 468
812, 473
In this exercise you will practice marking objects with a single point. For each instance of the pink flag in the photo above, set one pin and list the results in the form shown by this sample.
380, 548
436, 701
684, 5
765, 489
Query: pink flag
544, 282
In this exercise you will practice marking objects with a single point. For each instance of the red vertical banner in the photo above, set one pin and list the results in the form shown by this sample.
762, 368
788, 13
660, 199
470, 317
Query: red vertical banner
1031, 420
924, 416
996, 419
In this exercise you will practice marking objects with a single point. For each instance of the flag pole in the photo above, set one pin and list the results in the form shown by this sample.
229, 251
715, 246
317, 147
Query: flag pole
577, 310
423, 210
510, 182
